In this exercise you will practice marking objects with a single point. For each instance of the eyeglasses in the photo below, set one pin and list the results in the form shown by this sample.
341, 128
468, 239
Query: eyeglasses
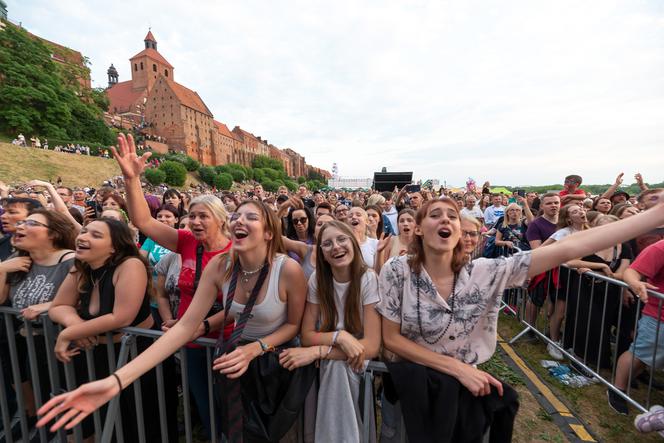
341, 240
300, 221
31, 223
341, 211
471, 234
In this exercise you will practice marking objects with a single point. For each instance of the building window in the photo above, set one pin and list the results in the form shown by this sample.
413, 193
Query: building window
166, 72
135, 67
141, 66
154, 67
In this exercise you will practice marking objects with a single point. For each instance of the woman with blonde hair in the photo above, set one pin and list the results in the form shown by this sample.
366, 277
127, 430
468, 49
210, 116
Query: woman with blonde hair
511, 233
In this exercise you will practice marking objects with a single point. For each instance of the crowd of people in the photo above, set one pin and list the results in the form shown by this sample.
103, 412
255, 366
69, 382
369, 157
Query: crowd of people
301, 290
70, 148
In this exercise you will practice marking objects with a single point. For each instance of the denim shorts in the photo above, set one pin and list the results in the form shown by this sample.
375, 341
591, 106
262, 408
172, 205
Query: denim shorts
645, 344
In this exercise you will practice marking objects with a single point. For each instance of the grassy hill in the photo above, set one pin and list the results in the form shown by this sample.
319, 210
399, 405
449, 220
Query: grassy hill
18, 165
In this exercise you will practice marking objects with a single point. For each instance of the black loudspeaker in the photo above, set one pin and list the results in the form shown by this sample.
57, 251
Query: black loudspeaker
386, 181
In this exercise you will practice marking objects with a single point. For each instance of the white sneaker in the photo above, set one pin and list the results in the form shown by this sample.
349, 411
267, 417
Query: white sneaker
554, 352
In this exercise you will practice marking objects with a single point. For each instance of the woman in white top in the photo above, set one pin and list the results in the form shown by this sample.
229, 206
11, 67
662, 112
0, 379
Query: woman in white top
571, 219
371, 248
440, 312
341, 329
256, 235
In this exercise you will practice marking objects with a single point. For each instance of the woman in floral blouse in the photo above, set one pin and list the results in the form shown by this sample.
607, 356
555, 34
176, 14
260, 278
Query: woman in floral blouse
440, 312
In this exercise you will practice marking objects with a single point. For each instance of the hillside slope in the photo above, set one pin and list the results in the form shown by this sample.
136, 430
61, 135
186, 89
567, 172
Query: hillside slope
18, 165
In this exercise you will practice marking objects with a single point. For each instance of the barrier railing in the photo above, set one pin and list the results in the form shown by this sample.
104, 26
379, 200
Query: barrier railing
596, 324
48, 376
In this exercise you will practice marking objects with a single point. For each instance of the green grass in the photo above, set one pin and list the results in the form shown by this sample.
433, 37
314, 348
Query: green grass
19, 165
589, 403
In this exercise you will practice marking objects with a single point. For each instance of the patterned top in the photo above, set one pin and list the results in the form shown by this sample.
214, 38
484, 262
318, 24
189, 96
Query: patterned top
471, 336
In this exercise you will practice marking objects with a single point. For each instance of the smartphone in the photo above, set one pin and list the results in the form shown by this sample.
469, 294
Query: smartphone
521, 192
413, 188
94, 205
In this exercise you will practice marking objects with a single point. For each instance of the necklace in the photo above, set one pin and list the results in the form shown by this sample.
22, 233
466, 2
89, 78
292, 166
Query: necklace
246, 275
451, 317
96, 283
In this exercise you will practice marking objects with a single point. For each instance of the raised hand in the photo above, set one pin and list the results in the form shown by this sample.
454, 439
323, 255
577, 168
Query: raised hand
36, 183
74, 406
619, 179
130, 163
384, 242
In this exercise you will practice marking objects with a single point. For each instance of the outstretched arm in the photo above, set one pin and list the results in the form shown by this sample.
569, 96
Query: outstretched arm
587, 242
78, 404
132, 167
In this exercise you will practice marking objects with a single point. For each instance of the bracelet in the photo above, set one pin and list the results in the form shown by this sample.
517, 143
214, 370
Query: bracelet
334, 338
206, 323
118, 380
264, 347
329, 349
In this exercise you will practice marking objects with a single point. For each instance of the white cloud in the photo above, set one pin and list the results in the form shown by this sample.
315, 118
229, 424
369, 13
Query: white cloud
514, 92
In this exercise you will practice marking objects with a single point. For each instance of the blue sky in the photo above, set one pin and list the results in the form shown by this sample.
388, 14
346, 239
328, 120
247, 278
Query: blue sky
515, 92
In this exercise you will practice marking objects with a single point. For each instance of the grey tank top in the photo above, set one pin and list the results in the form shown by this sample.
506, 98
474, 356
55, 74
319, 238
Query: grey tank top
40, 284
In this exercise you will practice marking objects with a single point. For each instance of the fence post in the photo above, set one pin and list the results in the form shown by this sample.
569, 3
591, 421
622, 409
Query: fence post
112, 412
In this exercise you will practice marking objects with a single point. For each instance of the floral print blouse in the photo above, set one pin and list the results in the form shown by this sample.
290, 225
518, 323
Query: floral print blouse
471, 335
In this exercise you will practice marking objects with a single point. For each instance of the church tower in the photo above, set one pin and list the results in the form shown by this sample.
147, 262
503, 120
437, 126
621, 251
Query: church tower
147, 65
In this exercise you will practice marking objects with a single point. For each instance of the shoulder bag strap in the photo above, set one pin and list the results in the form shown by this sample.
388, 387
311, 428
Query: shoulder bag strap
199, 265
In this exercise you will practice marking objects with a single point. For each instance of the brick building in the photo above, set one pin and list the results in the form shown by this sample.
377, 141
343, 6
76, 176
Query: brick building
177, 114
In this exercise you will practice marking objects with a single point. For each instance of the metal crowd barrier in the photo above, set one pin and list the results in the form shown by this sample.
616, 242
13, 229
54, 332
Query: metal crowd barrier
596, 329
63, 377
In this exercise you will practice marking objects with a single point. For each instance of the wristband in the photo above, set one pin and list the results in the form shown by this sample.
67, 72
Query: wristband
206, 324
265, 348
118, 380
334, 338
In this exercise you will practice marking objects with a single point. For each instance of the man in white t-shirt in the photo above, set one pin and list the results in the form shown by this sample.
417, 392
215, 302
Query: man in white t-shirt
471, 209
494, 212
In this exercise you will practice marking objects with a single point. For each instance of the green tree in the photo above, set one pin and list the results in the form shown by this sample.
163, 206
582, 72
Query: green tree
262, 161
223, 181
238, 175
301, 179
176, 173
155, 176
291, 185
207, 174
40, 97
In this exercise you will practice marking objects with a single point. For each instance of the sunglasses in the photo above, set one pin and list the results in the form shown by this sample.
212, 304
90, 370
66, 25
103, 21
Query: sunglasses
31, 223
300, 221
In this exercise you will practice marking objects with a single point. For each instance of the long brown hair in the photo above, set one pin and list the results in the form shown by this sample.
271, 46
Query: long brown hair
272, 224
563, 217
122, 240
416, 250
325, 285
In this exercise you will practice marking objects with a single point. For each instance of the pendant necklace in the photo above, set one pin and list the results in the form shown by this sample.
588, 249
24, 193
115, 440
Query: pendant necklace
246, 275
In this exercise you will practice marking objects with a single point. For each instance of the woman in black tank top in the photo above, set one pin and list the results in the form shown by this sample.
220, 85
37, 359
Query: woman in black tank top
106, 291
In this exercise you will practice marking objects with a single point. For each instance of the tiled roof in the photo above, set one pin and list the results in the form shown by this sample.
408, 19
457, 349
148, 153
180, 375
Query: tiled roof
223, 129
122, 96
188, 98
153, 54
150, 37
